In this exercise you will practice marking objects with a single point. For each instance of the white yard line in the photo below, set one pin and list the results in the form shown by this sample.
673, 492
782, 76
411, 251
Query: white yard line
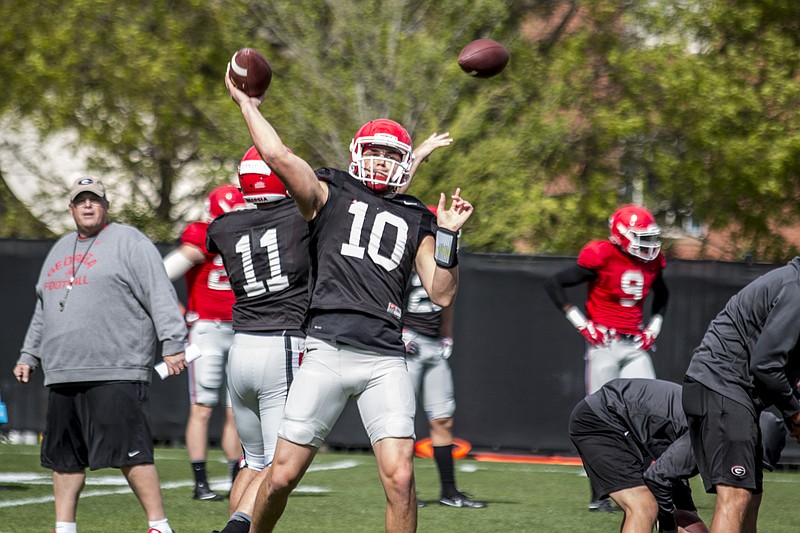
36, 478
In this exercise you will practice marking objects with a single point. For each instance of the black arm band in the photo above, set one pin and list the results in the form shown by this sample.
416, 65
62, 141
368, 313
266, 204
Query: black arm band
446, 250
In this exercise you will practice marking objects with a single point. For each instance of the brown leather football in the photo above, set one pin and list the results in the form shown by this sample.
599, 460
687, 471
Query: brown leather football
250, 71
690, 522
483, 58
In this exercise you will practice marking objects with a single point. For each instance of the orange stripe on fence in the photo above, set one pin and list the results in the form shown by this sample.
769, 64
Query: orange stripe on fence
530, 459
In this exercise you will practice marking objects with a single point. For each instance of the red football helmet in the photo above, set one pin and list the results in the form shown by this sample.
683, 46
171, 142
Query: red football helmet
381, 155
223, 199
633, 228
258, 183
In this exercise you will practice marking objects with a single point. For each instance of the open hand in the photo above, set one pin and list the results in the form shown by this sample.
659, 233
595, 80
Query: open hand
648, 339
454, 218
593, 336
437, 140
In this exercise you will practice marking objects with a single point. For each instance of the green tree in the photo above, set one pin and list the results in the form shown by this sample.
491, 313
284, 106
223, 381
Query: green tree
15, 219
139, 82
687, 106
693, 102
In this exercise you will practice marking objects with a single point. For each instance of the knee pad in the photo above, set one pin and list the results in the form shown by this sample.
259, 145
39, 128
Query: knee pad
300, 434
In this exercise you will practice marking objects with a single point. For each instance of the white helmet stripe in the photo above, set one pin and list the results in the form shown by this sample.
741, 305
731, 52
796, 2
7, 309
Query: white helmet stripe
254, 166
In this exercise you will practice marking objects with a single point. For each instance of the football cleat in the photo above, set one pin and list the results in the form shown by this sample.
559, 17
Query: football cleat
602, 506
204, 493
235, 526
421, 504
459, 499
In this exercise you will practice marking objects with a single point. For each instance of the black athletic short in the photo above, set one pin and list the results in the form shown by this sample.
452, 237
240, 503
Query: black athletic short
725, 439
96, 425
611, 459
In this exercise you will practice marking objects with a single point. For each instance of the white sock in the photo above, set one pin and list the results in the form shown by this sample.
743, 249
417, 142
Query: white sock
66, 527
161, 525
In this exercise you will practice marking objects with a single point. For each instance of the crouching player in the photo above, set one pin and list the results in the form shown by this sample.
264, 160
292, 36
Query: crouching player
625, 426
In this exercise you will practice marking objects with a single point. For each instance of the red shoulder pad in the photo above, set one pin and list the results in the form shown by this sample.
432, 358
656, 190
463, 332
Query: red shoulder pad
195, 235
595, 254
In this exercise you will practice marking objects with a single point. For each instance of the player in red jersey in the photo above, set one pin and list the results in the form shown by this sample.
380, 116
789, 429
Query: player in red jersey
621, 272
209, 315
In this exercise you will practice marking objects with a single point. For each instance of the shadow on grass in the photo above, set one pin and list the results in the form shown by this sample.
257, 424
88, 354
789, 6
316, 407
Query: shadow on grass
13, 488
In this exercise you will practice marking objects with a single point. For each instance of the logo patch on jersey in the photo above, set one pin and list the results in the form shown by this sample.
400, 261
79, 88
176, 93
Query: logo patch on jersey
738, 471
395, 311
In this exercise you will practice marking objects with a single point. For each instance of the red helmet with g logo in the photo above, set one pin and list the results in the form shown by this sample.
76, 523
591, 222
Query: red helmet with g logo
633, 228
223, 199
381, 155
258, 183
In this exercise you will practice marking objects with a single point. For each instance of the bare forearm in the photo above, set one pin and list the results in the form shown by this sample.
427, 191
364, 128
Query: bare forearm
265, 138
446, 329
294, 172
445, 286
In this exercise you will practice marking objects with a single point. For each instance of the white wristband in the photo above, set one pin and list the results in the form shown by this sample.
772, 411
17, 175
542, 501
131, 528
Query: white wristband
576, 318
655, 324
176, 264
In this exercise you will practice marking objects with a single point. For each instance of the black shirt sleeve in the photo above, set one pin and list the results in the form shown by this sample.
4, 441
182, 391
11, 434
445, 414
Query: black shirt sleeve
664, 479
569, 277
771, 354
660, 295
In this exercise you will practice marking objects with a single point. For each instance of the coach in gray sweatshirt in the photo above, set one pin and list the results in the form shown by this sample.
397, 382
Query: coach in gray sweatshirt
103, 303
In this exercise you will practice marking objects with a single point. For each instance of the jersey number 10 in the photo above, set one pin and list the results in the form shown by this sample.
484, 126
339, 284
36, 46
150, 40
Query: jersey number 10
353, 248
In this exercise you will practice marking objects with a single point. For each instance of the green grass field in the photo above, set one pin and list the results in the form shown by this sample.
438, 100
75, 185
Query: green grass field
341, 494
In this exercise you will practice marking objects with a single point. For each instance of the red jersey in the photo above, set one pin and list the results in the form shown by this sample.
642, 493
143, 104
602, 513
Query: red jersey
210, 294
617, 296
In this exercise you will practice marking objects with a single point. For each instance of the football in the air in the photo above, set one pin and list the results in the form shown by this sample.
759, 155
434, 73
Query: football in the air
690, 522
483, 58
250, 72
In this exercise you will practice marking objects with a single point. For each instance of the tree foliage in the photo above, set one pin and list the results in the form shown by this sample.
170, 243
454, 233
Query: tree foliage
15, 219
686, 106
136, 81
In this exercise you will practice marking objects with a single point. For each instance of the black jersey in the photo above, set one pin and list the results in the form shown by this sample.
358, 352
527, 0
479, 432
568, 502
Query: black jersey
649, 409
650, 412
422, 315
750, 351
362, 249
265, 252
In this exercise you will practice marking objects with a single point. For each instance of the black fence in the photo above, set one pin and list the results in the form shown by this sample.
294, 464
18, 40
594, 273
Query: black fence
517, 363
